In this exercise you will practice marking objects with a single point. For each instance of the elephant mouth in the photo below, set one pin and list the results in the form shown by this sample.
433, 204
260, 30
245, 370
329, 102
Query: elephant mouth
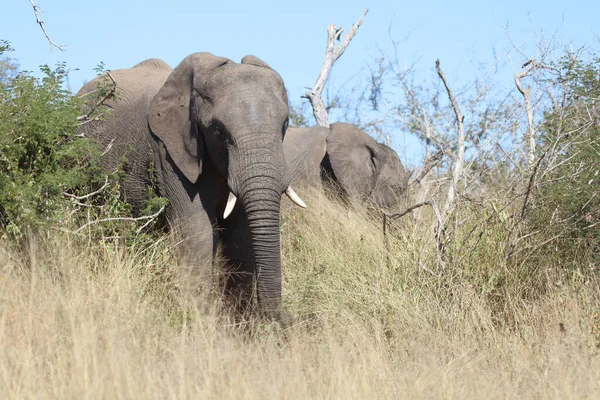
289, 192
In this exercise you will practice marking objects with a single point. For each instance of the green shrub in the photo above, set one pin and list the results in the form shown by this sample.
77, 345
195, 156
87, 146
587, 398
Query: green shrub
47, 173
40, 157
568, 199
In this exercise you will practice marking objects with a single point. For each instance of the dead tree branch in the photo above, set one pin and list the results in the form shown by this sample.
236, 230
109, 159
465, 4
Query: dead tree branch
526, 93
41, 24
409, 209
87, 196
509, 157
530, 186
146, 217
512, 242
331, 56
427, 166
460, 155
387, 217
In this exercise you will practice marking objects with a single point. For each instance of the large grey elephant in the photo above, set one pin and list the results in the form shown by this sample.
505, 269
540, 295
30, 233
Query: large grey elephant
363, 169
206, 135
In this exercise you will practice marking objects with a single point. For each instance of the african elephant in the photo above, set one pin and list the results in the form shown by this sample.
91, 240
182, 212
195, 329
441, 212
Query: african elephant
364, 169
206, 135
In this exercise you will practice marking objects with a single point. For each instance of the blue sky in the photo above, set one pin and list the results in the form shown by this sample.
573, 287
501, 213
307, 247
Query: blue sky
291, 36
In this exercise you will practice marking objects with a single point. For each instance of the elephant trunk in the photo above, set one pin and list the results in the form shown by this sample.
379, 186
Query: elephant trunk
262, 210
260, 184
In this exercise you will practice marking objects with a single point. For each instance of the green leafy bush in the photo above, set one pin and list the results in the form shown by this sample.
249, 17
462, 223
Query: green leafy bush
569, 179
40, 157
50, 177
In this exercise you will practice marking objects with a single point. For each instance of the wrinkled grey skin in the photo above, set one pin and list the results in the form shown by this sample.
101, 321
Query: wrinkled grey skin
205, 128
364, 169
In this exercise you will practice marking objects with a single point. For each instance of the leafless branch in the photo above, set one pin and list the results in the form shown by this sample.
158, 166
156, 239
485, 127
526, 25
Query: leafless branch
427, 166
150, 219
387, 217
530, 186
526, 93
509, 157
439, 236
41, 24
409, 209
511, 243
460, 156
331, 56
146, 217
87, 196
108, 147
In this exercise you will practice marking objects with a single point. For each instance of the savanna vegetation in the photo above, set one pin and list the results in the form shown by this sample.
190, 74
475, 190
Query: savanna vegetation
489, 288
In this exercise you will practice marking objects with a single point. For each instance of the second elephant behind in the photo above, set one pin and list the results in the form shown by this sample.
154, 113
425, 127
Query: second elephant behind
363, 169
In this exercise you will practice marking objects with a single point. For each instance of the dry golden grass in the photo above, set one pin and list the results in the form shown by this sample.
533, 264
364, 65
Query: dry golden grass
86, 320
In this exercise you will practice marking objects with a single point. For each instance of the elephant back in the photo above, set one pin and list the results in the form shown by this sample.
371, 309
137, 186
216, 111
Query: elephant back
121, 129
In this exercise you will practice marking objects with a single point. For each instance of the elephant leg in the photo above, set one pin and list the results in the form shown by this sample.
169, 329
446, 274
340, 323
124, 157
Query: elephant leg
192, 218
195, 243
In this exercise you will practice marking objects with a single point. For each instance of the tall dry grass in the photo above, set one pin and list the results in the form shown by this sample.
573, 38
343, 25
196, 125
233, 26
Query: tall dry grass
92, 320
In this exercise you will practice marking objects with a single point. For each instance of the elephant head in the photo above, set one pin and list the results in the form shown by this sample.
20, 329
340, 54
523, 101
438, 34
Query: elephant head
213, 111
364, 168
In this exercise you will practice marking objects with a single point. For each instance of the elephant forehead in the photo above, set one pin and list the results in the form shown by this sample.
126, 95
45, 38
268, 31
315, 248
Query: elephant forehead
252, 109
238, 76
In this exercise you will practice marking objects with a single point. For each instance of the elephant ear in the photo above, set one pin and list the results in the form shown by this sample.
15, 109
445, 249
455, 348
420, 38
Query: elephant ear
353, 158
391, 178
170, 116
393, 172
253, 60
304, 150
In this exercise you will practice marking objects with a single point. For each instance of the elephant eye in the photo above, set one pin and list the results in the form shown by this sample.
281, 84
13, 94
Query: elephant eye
373, 158
218, 130
285, 126
221, 133
375, 162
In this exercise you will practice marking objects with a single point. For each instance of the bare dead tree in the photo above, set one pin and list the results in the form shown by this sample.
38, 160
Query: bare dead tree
36, 10
460, 155
331, 56
526, 93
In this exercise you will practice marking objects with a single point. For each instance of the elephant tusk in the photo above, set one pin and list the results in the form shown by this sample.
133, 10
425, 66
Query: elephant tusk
294, 197
230, 204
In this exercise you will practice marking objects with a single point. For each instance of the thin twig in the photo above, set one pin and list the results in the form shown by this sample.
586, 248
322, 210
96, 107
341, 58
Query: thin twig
530, 186
87, 196
427, 166
147, 217
108, 147
509, 157
41, 24
409, 209
331, 56
511, 243
141, 228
